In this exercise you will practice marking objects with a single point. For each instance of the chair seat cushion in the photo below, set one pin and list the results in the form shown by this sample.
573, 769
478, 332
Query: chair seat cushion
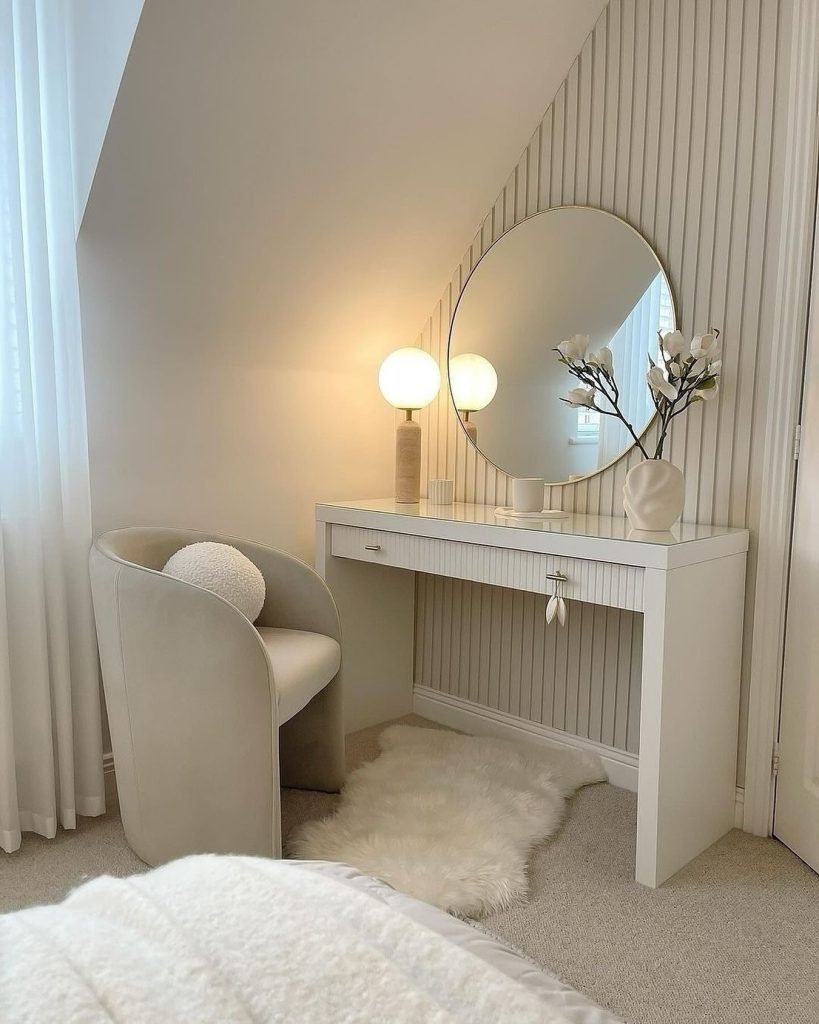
303, 664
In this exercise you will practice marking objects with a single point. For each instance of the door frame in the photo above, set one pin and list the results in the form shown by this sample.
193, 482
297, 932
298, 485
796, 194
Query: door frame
798, 264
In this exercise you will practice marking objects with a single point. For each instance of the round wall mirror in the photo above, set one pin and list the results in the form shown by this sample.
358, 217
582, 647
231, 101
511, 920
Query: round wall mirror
566, 271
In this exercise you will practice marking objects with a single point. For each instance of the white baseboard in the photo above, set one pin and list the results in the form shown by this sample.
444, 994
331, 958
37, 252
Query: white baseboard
621, 767
457, 713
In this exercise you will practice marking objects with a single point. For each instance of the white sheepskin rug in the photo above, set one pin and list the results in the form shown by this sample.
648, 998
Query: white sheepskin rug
449, 819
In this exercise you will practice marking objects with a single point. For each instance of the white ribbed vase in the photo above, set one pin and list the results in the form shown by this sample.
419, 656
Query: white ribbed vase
654, 495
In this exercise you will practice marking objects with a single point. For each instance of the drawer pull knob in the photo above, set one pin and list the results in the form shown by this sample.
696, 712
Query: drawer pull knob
372, 547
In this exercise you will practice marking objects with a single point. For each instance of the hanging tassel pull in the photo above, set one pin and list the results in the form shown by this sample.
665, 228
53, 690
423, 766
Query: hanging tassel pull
556, 605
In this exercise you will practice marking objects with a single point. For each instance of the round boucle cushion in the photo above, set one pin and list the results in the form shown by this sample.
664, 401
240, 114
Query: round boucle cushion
222, 569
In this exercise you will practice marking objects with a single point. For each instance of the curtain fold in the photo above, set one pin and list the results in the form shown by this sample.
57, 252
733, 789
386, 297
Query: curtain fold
50, 730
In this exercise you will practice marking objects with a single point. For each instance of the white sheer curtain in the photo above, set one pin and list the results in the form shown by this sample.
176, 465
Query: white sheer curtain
50, 739
630, 345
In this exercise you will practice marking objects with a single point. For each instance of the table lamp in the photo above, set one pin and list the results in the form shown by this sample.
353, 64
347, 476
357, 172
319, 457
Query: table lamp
473, 382
409, 379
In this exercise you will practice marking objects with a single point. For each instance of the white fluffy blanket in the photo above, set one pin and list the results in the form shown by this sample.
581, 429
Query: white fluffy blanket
217, 939
447, 818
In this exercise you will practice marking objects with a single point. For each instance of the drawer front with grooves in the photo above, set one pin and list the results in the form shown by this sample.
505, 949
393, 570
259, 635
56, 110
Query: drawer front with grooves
606, 583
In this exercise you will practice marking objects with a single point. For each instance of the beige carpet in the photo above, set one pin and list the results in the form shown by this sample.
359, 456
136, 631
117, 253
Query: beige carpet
734, 938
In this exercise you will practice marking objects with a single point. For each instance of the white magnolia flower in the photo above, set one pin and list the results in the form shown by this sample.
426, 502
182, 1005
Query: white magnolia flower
574, 348
704, 346
603, 359
716, 366
581, 396
658, 383
674, 344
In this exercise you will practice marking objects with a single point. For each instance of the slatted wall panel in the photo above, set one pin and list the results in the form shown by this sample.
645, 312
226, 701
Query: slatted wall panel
488, 645
669, 118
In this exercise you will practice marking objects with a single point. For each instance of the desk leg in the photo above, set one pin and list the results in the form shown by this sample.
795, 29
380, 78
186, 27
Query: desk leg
377, 608
689, 712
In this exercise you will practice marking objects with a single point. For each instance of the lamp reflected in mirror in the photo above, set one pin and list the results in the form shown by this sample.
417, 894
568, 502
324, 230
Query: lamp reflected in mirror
474, 383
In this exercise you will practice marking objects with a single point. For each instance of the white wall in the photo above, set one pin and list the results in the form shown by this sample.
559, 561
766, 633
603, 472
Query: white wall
100, 33
676, 116
282, 188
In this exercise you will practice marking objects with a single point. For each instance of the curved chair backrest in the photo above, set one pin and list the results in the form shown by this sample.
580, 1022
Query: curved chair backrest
148, 547
190, 701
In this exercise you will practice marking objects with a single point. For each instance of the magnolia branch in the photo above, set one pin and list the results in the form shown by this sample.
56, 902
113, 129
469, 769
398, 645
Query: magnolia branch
674, 385
597, 379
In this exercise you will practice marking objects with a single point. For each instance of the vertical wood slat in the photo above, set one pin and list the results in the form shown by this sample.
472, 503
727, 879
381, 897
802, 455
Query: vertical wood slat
667, 118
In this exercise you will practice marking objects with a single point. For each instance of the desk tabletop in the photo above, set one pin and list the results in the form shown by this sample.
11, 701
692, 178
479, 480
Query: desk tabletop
682, 544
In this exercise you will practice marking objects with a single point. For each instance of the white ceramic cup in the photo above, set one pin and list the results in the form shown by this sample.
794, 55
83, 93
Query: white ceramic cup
527, 494
441, 492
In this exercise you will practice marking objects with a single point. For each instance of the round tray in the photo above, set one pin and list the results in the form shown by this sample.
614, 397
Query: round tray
546, 513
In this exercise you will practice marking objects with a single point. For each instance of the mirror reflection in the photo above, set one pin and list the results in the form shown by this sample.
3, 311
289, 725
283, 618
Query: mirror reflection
568, 271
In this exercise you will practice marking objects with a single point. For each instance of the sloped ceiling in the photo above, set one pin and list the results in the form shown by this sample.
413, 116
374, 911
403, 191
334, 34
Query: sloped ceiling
285, 187
327, 125
100, 34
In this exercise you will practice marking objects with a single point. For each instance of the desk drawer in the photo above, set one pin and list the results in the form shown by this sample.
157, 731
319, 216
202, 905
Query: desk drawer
606, 583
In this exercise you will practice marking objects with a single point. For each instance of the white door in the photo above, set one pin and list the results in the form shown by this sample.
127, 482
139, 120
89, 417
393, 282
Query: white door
796, 810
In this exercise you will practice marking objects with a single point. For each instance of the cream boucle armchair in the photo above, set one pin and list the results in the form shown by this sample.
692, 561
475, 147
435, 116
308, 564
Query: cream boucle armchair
209, 713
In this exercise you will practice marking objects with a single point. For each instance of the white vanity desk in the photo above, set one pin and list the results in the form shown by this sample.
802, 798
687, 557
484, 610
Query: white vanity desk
688, 583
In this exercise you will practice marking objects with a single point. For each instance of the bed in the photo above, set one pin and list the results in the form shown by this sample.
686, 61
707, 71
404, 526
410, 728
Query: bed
225, 939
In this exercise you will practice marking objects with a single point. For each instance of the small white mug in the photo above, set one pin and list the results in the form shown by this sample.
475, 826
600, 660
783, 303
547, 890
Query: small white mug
441, 492
528, 494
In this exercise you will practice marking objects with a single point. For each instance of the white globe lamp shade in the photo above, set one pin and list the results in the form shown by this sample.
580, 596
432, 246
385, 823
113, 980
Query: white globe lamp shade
473, 381
409, 378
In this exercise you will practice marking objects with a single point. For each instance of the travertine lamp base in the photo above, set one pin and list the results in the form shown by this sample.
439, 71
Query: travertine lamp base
470, 428
408, 461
